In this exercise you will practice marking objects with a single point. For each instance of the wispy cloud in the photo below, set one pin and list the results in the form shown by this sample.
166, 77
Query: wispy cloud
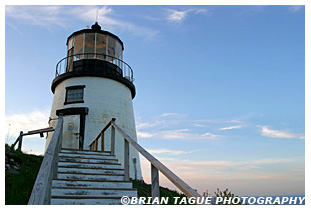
169, 114
180, 15
182, 134
295, 8
14, 28
167, 151
186, 134
265, 131
46, 16
63, 16
26, 121
175, 15
144, 134
178, 126
231, 127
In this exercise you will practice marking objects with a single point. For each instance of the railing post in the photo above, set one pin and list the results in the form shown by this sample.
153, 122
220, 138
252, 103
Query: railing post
102, 141
126, 161
20, 141
155, 190
113, 137
96, 145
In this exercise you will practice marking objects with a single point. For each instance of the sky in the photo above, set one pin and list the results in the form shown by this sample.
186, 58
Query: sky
220, 89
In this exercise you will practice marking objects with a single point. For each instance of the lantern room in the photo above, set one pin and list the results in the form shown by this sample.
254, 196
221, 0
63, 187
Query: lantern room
95, 44
94, 52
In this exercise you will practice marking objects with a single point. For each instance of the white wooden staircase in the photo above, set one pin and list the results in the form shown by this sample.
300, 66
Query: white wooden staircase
92, 177
89, 177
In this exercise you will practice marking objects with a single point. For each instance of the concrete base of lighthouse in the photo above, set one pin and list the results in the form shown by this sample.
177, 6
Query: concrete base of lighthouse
103, 99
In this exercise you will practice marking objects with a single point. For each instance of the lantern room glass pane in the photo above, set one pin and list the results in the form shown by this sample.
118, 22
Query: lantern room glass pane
89, 44
79, 44
118, 50
119, 54
70, 48
111, 46
70, 43
101, 43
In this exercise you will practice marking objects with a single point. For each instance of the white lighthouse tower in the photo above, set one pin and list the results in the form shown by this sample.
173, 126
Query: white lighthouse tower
92, 85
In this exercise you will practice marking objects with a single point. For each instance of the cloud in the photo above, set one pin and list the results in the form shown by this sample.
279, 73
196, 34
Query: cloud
182, 134
199, 125
64, 16
180, 15
26, 121
232, 127
45, 16
144, 134
174, 126
167, 151
14, 28
248, 177
295, 8
169, 114
175, 15
265, 131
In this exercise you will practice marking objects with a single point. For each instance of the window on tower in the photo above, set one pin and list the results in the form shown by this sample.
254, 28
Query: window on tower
74, 94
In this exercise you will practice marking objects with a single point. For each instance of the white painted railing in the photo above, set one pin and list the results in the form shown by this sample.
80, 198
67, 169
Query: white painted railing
19, 139
41, 192
156, 165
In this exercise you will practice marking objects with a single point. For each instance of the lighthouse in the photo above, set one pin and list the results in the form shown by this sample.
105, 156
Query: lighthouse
92, 85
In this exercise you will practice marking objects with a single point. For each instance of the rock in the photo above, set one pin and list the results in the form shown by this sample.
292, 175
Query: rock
7, 166
16, 168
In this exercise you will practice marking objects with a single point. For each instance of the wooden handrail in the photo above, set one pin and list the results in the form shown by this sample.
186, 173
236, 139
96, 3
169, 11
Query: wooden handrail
185, 188
41, 192
39, 131
19, 139
94, 143
156, 165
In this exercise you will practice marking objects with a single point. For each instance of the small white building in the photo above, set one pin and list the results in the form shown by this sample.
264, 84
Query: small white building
92, 85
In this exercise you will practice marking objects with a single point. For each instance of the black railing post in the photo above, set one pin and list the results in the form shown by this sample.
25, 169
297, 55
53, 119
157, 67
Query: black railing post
20, 140
102, 144
113, 137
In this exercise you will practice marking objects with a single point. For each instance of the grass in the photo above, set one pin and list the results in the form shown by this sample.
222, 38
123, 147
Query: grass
18, 187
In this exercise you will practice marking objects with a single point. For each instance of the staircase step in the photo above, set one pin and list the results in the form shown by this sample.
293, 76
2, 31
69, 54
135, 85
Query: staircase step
86, 160
90, 170
93, 192
85, 201
91, 184
88, 152
90, 165
92, 156
97, 177
88, 177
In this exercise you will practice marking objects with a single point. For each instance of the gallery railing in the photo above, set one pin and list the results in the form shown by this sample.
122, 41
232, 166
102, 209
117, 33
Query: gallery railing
67, 64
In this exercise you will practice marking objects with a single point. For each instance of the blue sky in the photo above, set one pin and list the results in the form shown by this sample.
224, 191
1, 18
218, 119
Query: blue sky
220, 89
